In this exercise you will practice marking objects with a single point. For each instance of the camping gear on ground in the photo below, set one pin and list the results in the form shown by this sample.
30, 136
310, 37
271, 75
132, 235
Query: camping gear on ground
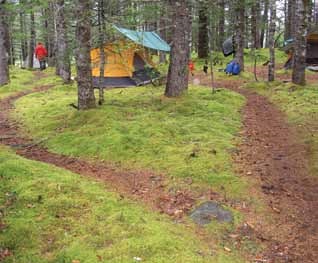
128, 60
313, 68
236, 69
228, 47
311, 50
36, 63
233, 68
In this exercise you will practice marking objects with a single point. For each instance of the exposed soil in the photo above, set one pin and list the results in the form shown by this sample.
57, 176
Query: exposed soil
146, 186
272, 153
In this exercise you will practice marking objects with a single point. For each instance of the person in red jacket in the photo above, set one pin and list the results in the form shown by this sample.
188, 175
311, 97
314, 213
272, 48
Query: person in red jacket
41, 54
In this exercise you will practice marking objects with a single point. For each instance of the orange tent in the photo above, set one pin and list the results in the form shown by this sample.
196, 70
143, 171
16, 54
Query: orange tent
127, 60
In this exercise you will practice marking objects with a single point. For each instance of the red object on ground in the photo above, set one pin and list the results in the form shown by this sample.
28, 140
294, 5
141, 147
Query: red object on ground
191, 66
40, 52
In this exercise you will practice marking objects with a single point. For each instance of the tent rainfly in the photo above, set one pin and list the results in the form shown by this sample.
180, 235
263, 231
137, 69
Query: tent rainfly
128, 61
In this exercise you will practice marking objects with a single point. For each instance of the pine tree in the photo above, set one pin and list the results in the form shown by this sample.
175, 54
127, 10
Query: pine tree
299, 63
177, 81
4, 67
63, 65
86, 97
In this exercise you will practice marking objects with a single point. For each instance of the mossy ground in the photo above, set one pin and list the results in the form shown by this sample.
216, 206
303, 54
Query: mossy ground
56, 216
301, 107
19, 80
138, 128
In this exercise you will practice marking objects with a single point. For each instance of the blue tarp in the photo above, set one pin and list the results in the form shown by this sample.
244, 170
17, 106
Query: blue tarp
147, 39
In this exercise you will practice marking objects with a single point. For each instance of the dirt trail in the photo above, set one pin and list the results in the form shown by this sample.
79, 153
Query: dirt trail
145, 186
272, 153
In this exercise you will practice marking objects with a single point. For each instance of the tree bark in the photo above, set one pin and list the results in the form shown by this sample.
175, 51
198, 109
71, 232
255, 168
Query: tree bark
203, 44
299, 64
51, 35
255, 24
86, 97
24, 43
4, 67
177, 81
63, 65
264, 23
32, 40
101, 31
221, 28
240, 30
271, 41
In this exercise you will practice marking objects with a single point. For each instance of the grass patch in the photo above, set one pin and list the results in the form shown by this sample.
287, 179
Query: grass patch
138, 128
56, 216
301, 107
20, 79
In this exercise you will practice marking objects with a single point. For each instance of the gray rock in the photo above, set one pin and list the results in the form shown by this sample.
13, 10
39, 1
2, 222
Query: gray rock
208, 211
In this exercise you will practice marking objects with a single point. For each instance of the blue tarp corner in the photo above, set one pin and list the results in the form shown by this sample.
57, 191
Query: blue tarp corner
147, 39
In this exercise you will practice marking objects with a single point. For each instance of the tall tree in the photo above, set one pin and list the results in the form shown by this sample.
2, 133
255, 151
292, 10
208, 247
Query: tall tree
86, 97
255, 12
23, 38
51, 33
32, 38
203, 44
299, 63
221, 28
264, 23
4, 67
177, 81
271, 41
63, 65
240, 32
101, 32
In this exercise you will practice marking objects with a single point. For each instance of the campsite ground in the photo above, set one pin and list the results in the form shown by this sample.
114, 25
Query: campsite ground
149, 161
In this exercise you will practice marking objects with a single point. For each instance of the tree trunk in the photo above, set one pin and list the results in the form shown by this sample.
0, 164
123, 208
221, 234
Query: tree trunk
264, 23
221, 28
4, 67
299, 64
101, 31
177, 81
24, 43
86, 97
255, 24
203, 44
32, 40
63, 65
271, 41
240, 30
51, 35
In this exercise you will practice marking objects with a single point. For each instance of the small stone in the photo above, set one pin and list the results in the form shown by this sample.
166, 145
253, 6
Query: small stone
210, 210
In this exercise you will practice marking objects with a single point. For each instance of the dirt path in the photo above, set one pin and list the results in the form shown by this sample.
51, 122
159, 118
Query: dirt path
144, 186
272, 153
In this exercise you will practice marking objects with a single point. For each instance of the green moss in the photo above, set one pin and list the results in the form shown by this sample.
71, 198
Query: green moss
56, 216
19, 80
138, 128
